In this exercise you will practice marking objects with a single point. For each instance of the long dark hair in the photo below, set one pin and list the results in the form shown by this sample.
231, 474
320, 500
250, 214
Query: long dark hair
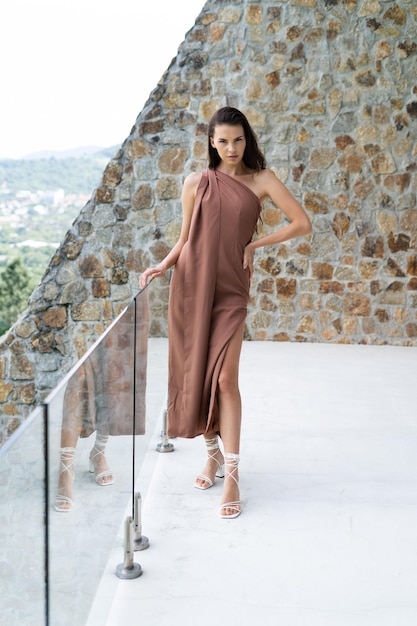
252, 157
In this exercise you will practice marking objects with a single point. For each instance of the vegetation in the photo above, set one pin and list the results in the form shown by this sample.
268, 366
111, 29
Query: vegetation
37, 235
73, 175
16, 286
35, 216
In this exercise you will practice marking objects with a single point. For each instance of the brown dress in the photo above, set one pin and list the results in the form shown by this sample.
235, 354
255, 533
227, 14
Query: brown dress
208, 300
100, 394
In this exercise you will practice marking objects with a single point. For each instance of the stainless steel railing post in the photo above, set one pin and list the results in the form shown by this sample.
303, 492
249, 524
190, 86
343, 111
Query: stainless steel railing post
128, 569
165, 446
140, 542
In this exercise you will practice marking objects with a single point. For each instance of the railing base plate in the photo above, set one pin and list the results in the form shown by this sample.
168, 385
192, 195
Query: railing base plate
128, 573
165, 447
141, 544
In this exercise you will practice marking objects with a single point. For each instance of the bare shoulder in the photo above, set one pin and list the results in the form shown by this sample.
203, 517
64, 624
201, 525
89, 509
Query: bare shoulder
193, 178
268, 177
267, 183
192, 182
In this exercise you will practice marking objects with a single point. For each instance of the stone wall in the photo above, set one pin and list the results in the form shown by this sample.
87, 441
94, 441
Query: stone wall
330, 87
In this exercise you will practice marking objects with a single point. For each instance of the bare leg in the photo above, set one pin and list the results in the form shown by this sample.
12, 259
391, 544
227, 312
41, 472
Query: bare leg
69, 439
98, 462
74, 407
230, 415
214, 464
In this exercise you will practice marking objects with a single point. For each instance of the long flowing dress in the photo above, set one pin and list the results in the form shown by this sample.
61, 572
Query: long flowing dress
208, 300
103, 394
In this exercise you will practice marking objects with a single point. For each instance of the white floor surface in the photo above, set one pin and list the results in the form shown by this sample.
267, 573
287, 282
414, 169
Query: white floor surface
328, 480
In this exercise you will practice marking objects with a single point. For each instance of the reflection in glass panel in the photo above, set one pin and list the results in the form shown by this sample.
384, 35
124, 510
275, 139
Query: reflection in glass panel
91, 424
22, 527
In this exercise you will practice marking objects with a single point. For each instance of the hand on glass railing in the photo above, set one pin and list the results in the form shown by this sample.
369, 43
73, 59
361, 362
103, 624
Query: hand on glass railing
151, 273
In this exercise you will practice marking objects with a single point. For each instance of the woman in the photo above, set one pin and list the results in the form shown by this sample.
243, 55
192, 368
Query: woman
209, 292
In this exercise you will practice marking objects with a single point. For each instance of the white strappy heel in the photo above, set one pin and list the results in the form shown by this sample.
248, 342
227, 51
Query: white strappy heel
231, 461
63, 504
211, 444
100, 448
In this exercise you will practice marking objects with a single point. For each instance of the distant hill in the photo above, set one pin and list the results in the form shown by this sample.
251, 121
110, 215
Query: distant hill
50, 170
75, 153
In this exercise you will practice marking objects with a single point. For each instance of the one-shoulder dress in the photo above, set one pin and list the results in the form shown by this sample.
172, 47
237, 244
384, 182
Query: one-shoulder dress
209, 294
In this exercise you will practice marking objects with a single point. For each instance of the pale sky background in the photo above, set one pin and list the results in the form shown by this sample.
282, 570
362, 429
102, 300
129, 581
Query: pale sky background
77, 72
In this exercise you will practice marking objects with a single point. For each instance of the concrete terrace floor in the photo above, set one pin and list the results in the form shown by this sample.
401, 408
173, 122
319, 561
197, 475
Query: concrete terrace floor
328, 479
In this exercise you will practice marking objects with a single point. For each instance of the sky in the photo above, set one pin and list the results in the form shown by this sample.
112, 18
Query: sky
78, 72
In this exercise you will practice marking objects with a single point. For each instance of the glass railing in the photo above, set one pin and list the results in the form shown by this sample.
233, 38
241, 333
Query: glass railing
63, 503
23, 538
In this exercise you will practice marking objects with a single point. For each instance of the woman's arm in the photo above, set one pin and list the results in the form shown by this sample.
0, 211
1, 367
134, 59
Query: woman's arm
189, 192
299, 224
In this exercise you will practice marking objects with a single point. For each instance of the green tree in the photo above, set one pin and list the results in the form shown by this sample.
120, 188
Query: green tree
15, 289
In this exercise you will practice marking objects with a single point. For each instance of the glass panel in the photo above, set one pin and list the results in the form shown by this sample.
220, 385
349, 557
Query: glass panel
22, 527
95, 399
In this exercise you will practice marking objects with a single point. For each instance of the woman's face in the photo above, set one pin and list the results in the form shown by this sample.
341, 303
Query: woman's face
230, 143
